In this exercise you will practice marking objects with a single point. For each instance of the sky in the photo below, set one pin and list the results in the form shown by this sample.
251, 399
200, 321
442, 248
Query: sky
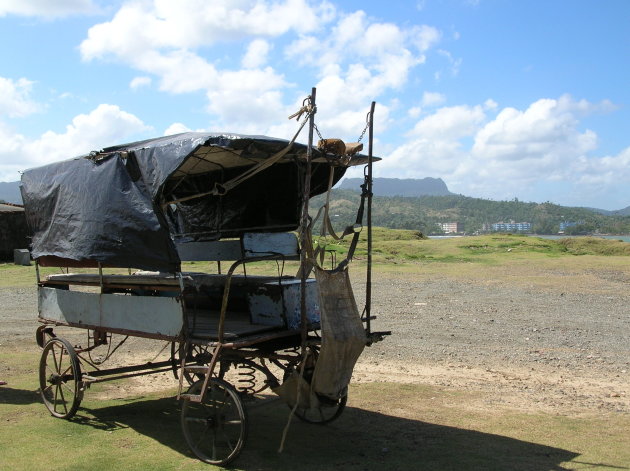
502, 99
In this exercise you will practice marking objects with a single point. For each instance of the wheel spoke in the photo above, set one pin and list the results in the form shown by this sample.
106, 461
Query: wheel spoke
233, 422
60, 359
214, 443
67, 386
203, 434
195, 420
63, 398
54, 355
66, 370
55, 398
229, 443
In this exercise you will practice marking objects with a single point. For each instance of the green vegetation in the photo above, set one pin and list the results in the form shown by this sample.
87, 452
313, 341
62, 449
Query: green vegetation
406, 245
594, 246
423, 213
399, 247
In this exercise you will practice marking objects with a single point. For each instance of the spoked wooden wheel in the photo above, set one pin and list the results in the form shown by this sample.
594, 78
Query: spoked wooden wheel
216, 428
60, 378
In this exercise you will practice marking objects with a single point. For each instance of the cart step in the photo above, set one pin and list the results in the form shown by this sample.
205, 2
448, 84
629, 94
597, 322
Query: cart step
191, 397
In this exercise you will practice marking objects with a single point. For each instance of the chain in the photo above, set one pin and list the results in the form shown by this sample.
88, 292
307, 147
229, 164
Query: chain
321, 138
308, 110
367, 125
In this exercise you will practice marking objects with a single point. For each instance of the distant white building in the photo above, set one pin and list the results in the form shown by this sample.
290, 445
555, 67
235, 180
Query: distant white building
451, 227
512, 226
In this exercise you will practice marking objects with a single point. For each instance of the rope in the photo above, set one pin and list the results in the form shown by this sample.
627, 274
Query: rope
221, 189
285, 431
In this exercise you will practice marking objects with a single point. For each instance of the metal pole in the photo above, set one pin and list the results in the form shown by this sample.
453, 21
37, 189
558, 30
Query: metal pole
368, 287
304, 225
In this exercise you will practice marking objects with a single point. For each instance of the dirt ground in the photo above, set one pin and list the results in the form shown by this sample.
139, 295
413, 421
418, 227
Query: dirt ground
562, 348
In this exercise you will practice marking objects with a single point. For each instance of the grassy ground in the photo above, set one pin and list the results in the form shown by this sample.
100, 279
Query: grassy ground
386, 426
402, 250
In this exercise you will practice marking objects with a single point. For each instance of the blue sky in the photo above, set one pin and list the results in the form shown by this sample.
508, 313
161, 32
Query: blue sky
500, 99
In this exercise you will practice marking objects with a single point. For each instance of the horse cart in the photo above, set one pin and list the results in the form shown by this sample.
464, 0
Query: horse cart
122, 222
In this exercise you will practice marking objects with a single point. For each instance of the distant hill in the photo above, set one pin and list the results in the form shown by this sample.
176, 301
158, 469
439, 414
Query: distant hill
401, 186
10, 192
425, 212
617, 212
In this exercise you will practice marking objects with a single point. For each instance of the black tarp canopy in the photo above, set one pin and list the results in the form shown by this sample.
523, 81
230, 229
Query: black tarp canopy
127, 205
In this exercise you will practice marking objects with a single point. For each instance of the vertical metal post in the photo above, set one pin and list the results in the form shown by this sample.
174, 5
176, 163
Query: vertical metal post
304, 222
100, 275
368, 287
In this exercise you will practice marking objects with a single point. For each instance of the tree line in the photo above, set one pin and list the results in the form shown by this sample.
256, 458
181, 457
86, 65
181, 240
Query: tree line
475, 214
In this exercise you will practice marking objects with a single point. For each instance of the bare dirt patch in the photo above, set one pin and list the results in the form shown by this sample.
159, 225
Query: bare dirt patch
512, 343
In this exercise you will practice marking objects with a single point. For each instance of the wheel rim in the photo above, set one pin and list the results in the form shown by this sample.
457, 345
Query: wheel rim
328, 410
60, 378
216, 428
322, 414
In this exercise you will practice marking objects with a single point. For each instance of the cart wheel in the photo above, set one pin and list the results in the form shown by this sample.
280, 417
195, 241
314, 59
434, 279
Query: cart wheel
325, 413
60, 378
216, 428
329, 409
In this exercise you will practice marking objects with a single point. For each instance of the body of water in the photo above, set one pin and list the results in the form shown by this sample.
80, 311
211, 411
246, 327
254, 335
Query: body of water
624, 238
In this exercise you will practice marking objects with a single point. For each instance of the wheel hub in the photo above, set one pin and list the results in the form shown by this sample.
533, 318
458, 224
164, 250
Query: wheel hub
55, 379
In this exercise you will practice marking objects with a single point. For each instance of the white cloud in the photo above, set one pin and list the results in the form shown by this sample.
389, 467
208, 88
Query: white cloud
450, 123
414, 112
432, 98
166, 47
512, 151
454, 63
188, 24
490, 104
256, 55
15, 98
425, 36
139, 82
547, 129
357, 59
104, 126
46, 8
176, 128
604, 171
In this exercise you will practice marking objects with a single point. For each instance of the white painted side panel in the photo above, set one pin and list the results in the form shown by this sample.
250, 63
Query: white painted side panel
147, 314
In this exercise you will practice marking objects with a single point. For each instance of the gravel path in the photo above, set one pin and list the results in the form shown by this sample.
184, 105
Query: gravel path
530, 348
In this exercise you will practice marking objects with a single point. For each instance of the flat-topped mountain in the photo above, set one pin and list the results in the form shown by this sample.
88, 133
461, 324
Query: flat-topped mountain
401, 186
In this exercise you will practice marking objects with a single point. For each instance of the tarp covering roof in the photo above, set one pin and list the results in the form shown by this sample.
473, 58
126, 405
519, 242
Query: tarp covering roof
126, 205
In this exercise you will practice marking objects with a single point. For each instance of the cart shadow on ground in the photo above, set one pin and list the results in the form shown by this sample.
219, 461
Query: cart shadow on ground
360, 439
20, 397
